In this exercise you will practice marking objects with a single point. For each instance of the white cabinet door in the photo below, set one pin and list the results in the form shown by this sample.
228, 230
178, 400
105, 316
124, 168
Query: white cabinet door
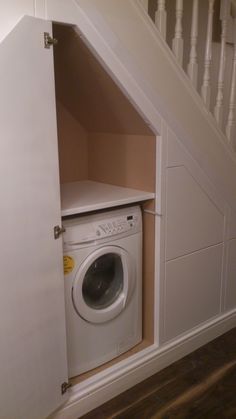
32, 323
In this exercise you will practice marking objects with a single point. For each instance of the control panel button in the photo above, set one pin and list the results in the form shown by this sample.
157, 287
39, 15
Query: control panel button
113, 227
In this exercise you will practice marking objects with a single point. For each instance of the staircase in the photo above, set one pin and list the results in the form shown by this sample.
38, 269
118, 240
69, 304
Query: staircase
202, 37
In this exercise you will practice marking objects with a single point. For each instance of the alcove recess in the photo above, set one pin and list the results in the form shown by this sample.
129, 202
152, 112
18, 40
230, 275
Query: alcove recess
102, 138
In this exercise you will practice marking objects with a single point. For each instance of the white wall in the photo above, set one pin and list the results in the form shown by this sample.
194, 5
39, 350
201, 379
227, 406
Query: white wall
11, 12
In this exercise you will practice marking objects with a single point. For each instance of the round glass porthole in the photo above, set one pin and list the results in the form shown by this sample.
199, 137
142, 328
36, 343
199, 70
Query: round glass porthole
103, 281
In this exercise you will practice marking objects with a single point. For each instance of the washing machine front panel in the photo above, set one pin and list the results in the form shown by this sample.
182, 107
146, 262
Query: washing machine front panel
103, 284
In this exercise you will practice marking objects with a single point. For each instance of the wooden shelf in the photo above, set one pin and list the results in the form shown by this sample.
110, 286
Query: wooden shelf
84, 196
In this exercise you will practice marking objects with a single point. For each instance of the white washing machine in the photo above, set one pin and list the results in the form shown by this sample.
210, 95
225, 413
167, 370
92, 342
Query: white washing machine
103, 286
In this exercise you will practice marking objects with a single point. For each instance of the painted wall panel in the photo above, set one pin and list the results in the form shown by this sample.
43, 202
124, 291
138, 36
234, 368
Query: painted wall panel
40, 8
193, 285
177, 155
193, 221
61, 10
232, 225
72, 145
123, 160
230, 296
11, 12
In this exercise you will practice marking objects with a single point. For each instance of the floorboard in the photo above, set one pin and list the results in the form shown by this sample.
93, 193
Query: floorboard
201, 385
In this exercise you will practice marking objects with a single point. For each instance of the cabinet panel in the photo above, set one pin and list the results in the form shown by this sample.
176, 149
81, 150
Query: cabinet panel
193, 220
123, 160
230, 302
73, 147
192, 290
32, 324
232, 225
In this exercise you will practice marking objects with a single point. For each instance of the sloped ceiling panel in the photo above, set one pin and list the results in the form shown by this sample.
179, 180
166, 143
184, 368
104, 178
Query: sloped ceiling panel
88, 92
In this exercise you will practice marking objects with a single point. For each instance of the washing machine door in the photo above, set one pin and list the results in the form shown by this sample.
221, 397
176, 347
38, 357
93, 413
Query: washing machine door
103, 284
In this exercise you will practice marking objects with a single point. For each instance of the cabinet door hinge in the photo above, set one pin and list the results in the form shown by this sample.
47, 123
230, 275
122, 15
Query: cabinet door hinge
58, 231
64, 387
49, 41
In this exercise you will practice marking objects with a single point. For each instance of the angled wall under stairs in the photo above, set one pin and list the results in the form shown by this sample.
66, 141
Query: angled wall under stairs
196, 174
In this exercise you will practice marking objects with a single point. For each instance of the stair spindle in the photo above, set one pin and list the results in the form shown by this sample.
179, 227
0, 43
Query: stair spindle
160, 17
230, 126
178, 43
206, 86
224, 16
193, 64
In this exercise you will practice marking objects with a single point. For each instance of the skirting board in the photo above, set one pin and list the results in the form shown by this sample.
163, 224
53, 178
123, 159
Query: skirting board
106, 385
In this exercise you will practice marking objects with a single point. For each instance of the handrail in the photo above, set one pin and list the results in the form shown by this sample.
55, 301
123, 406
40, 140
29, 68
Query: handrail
214, 77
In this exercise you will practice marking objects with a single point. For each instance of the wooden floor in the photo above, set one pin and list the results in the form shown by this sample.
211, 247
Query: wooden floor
200, 386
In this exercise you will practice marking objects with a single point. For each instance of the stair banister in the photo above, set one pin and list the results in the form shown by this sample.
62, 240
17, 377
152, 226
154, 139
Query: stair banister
206, 86
193, 64
224, 17
223, 86
178, 43
160, 17
230, 126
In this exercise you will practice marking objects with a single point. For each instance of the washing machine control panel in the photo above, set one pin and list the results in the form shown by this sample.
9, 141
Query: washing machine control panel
82, 231
116, 226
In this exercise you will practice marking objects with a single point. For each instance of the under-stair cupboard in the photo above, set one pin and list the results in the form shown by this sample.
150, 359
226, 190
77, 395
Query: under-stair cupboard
97, 113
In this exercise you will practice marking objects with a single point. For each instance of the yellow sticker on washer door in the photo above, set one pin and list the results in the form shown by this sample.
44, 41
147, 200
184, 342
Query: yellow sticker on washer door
68, 264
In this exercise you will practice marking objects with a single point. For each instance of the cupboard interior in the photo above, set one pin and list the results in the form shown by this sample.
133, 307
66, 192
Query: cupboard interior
102, 137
